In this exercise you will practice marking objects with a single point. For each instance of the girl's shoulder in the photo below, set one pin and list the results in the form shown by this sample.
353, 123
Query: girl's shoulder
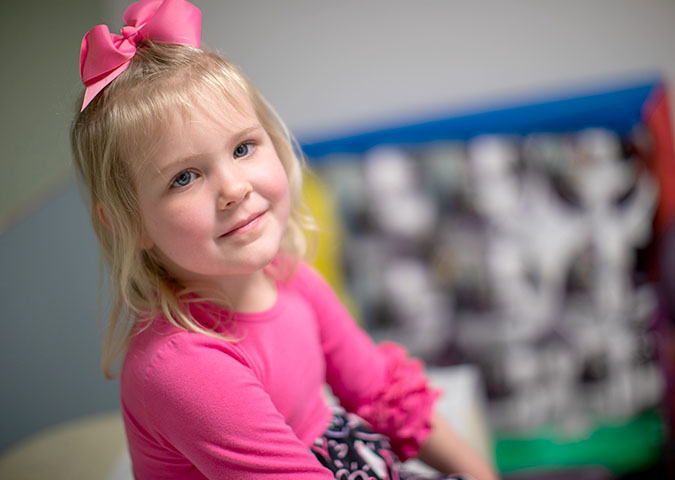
160, 342
164, 358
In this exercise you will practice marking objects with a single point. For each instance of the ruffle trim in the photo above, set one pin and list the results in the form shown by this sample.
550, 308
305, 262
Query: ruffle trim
402, 408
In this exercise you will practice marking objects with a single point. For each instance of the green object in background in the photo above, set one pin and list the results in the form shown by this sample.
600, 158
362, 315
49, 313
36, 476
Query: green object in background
622, 447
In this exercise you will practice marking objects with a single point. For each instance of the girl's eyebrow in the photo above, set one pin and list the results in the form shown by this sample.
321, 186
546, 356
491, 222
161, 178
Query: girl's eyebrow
243, 133
247, 131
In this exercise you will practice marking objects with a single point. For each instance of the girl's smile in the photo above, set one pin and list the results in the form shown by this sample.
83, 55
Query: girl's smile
246, 225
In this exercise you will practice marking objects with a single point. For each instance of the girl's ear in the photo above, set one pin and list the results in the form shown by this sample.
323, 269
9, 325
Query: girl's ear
100, 211
146, 242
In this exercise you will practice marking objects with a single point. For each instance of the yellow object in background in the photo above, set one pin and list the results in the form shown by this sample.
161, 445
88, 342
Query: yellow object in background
321, 202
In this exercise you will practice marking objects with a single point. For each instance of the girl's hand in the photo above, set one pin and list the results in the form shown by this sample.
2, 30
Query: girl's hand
445, 451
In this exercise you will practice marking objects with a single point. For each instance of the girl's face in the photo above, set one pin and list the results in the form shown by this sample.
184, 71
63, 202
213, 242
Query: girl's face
214, 197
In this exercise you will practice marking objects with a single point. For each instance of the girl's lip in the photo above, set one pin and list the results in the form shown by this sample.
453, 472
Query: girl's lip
245, 225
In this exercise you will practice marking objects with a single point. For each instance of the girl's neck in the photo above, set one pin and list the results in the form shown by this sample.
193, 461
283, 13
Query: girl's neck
249, 293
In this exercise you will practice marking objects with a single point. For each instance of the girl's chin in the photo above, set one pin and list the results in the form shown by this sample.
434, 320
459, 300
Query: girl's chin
226, 275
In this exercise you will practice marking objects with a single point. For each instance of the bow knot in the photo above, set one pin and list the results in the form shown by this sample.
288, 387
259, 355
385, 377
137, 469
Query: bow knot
104, 56
131, 34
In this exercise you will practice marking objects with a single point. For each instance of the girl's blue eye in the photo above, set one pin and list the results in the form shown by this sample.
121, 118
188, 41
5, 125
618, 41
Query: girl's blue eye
242, 150
183, 179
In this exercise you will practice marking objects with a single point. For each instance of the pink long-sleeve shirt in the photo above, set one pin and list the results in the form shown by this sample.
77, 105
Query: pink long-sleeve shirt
198, 407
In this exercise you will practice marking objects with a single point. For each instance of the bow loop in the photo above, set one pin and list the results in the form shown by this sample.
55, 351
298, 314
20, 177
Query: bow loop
104, 55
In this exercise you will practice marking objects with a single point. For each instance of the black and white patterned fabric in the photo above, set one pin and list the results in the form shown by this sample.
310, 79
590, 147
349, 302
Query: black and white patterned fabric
352, 451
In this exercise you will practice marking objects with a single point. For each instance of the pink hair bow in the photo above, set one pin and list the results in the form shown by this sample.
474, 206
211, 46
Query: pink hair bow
104, 55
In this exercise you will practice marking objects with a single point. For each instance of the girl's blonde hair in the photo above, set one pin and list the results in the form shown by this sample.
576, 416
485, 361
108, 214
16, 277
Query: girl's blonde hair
118, 131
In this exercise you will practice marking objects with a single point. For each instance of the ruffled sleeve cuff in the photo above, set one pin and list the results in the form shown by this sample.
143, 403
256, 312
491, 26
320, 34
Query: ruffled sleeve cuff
403, 405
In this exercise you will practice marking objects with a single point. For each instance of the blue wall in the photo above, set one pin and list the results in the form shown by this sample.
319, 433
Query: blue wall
50, 340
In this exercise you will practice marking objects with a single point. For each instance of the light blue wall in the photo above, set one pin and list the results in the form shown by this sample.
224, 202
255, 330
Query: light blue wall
49, 344
49, 340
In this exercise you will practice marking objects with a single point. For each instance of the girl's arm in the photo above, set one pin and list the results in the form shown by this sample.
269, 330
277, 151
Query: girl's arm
445, 451
385, 387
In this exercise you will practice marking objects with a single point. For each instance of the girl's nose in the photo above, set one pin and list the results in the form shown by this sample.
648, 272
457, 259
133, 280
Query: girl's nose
233, 188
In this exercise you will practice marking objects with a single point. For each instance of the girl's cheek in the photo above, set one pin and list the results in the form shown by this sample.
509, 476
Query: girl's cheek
192, 220
185, 214
277, 182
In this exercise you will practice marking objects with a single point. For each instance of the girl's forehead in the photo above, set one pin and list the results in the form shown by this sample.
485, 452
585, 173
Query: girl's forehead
227, 111
195, 124
165, 124
225, 115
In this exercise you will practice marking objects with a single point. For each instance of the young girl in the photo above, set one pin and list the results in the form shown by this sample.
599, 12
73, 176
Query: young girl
227, 336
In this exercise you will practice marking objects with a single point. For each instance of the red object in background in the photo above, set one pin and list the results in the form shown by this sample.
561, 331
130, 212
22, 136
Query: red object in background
661, 158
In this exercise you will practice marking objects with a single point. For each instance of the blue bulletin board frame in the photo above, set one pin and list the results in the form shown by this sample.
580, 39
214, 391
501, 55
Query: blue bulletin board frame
617, 108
